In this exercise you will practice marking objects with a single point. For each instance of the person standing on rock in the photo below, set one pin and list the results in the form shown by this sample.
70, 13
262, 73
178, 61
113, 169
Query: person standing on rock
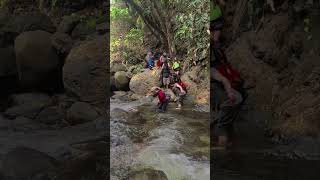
164, 99
165, 74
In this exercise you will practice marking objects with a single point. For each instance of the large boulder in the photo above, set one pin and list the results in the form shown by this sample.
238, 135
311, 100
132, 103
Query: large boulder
121, 80
81, 112
25, 163
85, 71
141, 83
38, 64
25, 22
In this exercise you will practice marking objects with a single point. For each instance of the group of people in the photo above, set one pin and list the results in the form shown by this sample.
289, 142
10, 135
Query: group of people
227, 92
169, 79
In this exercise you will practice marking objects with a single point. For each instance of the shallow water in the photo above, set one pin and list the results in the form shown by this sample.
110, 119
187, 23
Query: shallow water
176, 142
251, 158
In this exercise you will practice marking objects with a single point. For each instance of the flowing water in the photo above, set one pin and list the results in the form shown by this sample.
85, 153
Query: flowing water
148, 145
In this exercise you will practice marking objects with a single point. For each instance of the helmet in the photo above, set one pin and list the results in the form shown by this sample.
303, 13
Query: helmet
164, 54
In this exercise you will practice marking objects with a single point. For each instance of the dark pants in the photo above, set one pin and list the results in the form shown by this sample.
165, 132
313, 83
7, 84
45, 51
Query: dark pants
225, 112
163, 106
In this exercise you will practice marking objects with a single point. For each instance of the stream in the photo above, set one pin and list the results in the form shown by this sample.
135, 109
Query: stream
148, 145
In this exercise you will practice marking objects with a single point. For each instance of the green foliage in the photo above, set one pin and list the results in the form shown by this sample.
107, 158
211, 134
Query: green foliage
119, 14
191, 29
134, 37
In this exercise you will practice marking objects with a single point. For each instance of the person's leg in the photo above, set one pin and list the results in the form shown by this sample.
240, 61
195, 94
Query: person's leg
165, 105
225, 118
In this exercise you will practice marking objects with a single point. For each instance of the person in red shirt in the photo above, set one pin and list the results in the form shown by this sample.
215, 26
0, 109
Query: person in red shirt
163, 98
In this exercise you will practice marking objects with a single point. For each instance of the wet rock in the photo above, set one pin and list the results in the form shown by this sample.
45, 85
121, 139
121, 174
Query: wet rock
101, 123
141, 83
37, 69
25, 163
147, 174
119, 95
121, 80
24, 124
62, 43
81, 112
68, 23
85, 72
28, 105
118, 113
50, 116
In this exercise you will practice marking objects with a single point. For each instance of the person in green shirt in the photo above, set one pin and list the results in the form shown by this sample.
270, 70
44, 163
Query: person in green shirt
216, 21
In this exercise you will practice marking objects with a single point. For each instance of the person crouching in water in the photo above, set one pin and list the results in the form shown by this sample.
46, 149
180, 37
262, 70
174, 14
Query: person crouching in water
164, 99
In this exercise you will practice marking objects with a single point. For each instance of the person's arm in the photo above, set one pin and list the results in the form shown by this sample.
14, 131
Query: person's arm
227, 86
181, 89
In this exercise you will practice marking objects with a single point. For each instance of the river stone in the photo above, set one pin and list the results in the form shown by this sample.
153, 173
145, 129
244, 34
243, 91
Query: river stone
121, 80
25, 124
141, 83
50, 116
147, 174
85, 71
81, 112
28, 105
23, 163
38, 64
118, 113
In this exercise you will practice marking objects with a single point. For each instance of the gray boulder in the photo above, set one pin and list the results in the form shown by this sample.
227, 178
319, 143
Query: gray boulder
85, 71
38, 64
81, 112
121, 80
